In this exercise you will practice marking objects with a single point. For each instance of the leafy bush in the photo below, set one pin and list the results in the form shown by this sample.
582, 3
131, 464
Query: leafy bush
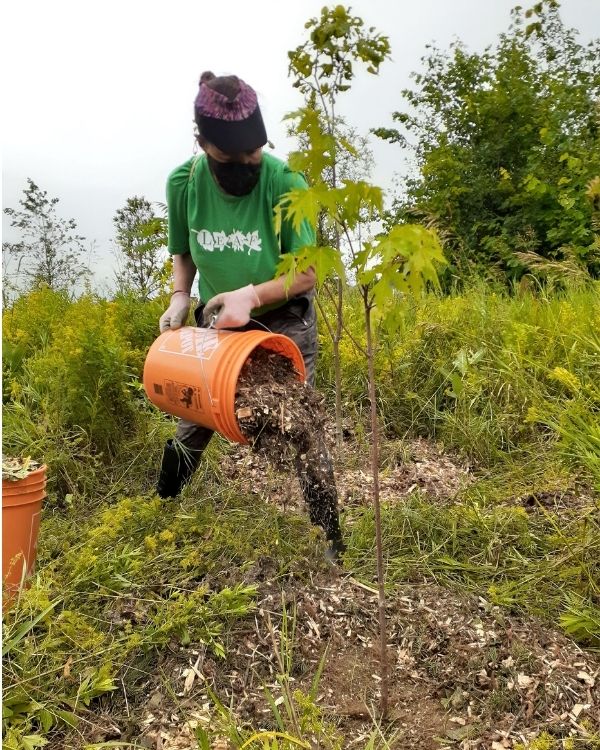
82, 378
137, 321
72, 389
506, 143
26, 328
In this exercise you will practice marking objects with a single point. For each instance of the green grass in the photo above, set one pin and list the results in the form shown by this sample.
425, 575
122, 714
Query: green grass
486, 374
509, 382
119, 584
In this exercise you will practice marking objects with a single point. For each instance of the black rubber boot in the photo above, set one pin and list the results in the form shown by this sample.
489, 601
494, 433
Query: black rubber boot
176, 469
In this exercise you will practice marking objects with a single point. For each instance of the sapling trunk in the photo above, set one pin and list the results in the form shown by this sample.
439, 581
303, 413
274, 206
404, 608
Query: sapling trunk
323, 68
376, 505
338, 364
339, 308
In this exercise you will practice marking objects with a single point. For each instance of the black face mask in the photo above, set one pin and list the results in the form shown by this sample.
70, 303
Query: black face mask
235, 178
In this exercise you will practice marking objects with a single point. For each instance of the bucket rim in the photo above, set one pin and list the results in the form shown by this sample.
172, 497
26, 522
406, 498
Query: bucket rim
228, 422
31, 478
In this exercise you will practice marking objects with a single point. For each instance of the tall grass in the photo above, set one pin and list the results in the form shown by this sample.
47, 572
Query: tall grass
513, 383
528, 562
71, 387
487, 373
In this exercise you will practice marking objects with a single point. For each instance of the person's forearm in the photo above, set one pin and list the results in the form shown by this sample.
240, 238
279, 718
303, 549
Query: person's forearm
270, 292
184, 272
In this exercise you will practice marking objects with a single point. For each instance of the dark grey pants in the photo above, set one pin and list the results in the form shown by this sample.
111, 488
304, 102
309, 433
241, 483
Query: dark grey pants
296, 319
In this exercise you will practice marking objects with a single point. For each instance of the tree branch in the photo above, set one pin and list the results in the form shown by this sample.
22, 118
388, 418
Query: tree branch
359, 346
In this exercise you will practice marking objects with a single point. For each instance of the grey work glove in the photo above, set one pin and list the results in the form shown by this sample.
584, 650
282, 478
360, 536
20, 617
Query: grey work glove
176, 314
231, 308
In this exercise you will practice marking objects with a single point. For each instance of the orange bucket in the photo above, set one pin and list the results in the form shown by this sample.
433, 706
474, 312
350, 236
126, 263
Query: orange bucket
21, 509
193, 373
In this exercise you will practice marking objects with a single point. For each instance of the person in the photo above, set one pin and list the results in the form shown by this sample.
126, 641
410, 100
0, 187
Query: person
220, 210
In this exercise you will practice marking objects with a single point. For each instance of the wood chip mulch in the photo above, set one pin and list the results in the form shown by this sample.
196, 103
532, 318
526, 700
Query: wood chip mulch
462, 673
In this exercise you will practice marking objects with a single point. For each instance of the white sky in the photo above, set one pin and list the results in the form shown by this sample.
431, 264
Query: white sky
98, 97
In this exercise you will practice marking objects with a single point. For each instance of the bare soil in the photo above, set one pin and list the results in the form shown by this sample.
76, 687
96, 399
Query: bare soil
463, 673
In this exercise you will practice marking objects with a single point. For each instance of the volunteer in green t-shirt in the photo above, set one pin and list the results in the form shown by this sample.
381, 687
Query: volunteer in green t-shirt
220, 207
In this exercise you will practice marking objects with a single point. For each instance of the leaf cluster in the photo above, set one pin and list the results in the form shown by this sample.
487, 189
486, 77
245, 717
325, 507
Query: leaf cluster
323, 65
401, 261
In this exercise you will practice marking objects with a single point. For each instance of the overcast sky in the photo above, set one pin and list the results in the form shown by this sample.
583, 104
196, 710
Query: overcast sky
98, 97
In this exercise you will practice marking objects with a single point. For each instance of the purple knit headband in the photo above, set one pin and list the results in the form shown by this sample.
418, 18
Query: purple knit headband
210, 103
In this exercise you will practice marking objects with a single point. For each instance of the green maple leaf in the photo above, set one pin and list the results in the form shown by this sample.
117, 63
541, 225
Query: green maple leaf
301, 205
324, 259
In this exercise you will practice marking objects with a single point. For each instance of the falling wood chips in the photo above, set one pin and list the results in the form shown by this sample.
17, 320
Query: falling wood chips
280, 415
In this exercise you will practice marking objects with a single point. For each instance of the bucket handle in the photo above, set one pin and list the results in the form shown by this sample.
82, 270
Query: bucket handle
212, 321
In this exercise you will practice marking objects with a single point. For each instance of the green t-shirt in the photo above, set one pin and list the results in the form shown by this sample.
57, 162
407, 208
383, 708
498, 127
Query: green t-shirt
232, 239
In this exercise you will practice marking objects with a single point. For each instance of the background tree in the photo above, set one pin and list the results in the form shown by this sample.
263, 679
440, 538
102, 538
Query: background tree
50, 250
506, 143
141, 240
10, 274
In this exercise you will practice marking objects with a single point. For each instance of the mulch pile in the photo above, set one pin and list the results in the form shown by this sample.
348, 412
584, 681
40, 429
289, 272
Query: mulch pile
279, 414
462, 673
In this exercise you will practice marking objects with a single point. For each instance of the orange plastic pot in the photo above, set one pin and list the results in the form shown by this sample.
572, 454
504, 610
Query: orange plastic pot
193, 373
21, 509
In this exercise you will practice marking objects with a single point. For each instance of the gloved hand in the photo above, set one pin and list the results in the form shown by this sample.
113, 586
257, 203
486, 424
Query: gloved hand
233, 308
176, 314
